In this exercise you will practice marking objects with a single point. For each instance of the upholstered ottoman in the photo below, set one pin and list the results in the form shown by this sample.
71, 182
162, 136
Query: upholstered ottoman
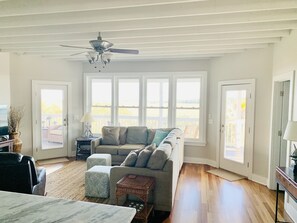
98, 159
97, 181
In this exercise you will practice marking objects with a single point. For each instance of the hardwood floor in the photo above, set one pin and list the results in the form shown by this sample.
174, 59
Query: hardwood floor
205, 198
202, 197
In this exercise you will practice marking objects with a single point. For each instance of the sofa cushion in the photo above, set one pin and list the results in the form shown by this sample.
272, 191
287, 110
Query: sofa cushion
159, 136
144, 156
123, 135
159, 157
110, 149
137, 135
110, 135
124, 150
130, 159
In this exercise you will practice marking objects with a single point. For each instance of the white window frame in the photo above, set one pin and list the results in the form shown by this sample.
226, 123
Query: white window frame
202, 110
143, 76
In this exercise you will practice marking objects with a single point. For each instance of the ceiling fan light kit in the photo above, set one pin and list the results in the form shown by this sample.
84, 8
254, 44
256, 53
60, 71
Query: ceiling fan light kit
101, 51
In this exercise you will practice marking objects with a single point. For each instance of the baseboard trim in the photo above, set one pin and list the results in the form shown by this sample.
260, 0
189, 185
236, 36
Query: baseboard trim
256, 178
200, 161
290, 209
259, 179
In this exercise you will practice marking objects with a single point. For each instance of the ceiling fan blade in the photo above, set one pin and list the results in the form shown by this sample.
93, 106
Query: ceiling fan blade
113, 50
78, 53
79, 47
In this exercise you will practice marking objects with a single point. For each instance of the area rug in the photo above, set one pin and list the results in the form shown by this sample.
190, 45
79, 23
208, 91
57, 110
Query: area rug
52, 161
226, 174
69, 183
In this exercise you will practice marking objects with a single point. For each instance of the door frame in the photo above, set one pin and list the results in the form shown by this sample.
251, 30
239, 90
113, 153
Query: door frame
252, 82
35, 83
275, 110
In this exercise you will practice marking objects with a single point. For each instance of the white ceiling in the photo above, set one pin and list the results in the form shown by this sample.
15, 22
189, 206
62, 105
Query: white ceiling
159, 29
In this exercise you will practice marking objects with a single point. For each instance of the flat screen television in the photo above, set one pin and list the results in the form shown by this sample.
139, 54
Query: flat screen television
3, 120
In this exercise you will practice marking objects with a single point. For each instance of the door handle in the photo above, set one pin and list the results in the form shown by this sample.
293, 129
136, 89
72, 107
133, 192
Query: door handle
222, 128
65, 121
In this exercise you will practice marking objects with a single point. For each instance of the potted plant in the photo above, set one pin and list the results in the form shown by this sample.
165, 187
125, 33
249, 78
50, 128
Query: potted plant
15, 116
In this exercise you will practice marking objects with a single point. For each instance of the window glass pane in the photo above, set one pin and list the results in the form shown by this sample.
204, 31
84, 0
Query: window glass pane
101, 92
157, 118
188, 92
128, 116
235, 125
188, 121
102, 117
128, 92
52, 118
157, 93
101, 104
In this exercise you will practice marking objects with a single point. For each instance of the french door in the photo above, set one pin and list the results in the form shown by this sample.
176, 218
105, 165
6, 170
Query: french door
50, 119
236, 128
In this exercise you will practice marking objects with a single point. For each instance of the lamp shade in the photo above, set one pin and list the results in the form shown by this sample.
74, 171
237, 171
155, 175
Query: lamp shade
87, 117
291, 131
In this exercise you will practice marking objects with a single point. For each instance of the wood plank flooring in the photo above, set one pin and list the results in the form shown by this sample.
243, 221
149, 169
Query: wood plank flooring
202, 197
205, 198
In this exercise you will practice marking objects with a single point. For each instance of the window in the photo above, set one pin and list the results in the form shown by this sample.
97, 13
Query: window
187, 106
157, 95
157, 100
128, 102
101, 103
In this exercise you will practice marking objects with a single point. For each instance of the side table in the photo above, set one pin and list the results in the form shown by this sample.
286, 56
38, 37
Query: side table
83, 147
285, 177
140, 186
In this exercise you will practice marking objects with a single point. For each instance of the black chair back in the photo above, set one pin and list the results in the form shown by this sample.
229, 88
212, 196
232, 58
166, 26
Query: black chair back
17, 173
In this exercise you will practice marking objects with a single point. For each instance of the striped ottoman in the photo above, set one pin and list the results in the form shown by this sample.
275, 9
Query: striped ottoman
97, 181
98, 159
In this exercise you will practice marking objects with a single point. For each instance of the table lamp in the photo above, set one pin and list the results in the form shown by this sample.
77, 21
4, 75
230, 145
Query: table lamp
291, 135
87, 119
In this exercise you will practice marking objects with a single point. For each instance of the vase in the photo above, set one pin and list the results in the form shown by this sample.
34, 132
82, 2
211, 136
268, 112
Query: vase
17, 142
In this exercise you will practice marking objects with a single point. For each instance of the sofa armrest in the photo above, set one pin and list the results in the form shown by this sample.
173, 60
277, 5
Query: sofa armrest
39, 188
95, 143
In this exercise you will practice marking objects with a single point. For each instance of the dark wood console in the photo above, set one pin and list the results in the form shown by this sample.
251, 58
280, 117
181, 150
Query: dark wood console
286, 178
6, 146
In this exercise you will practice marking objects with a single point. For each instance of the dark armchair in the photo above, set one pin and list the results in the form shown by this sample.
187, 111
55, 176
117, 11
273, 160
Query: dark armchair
19, 174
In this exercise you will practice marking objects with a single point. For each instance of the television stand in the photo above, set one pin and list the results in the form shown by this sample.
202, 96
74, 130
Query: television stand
6, 146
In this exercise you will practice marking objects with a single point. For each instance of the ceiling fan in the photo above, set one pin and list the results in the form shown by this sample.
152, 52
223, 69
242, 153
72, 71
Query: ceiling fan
100, 49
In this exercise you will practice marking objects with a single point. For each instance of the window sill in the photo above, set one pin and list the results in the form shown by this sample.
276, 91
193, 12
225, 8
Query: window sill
191, 143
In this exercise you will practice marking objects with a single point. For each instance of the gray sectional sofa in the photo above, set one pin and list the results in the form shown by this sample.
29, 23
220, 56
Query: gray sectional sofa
164, 163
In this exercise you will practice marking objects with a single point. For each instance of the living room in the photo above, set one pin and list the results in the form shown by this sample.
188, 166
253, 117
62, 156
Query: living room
256, 41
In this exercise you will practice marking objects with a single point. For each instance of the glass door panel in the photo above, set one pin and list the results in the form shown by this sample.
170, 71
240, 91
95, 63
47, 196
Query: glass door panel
235, 123
52, 118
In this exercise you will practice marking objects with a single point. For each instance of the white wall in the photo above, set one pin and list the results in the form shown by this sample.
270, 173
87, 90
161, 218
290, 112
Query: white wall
285, 60
252, 64
5, 79
24, 69
150, 66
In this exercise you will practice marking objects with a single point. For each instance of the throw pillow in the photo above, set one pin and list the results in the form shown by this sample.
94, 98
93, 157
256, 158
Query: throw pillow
123, 135
151, 147
130, 159
143, 157
159, 157
159, 136
110, 135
